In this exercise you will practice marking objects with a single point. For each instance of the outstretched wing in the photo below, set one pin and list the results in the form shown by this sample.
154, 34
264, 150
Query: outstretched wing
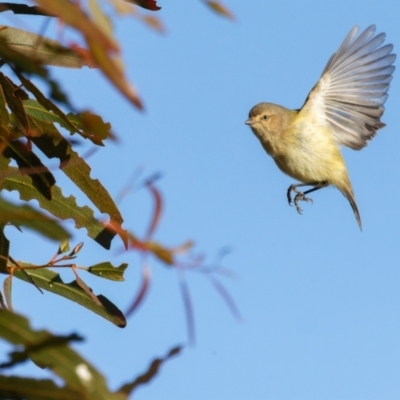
353, 87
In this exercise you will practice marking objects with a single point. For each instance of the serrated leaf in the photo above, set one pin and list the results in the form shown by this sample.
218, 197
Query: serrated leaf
50, 352
60, 206
92, 125
30, 164
89, 126
53, 145
48, 105
52, 282
107, 271
30, 218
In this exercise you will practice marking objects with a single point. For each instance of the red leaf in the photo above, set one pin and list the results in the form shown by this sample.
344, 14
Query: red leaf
142, 291
103, 48
157, 209
147, 4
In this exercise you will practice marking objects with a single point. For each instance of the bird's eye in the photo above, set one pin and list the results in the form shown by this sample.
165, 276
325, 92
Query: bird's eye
265, 117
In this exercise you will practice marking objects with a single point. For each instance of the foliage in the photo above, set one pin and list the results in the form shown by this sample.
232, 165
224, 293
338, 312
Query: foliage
30, 121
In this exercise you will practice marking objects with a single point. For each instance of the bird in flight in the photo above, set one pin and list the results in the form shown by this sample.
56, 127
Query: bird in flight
343, 109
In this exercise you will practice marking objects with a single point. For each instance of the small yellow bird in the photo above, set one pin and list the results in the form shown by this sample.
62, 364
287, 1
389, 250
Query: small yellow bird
343, 109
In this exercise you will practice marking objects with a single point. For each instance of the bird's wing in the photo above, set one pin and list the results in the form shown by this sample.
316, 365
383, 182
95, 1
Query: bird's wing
353, 87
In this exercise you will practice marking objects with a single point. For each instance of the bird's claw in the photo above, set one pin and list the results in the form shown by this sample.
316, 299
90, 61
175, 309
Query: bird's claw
301, 197
289, 194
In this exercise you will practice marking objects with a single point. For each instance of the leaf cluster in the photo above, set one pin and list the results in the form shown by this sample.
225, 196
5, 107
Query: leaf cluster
36, 128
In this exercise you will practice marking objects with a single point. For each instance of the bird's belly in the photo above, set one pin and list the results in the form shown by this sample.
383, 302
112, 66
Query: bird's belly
313, 158
302, 169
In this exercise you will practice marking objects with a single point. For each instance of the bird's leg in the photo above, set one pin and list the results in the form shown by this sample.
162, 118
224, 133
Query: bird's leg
301, 196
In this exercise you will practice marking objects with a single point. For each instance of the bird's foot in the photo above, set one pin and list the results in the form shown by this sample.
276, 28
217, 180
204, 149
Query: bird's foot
300, 197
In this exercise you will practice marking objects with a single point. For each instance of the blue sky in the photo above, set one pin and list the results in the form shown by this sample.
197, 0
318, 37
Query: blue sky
320, 300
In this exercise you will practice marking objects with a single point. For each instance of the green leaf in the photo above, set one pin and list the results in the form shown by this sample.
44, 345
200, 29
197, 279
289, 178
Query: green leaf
4, 248
54, 353
29, 164
53, 145
15, 387
23, 63
88, 125
107, 271
30, 218
7, 286
4, 116
64, 246
14, 102
91, 124
60, 206
52, 282
49, 106
42, 49
36, 110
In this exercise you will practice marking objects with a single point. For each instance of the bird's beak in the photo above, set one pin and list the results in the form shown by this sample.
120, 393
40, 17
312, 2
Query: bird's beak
249, 122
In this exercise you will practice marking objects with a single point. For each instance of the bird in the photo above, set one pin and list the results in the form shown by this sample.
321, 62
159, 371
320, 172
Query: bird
344, 108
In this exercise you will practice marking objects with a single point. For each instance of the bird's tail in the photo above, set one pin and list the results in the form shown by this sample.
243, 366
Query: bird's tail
347, 191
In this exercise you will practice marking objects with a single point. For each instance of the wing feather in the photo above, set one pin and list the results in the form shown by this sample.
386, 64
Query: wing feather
350, 95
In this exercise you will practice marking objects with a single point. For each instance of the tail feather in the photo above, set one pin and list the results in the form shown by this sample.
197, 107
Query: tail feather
348, 193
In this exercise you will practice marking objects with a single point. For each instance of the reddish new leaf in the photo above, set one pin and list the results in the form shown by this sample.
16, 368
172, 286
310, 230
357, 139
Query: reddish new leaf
103, 47
72, 14
147, 4
151, 372
157, 209
142, 291
154, 23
